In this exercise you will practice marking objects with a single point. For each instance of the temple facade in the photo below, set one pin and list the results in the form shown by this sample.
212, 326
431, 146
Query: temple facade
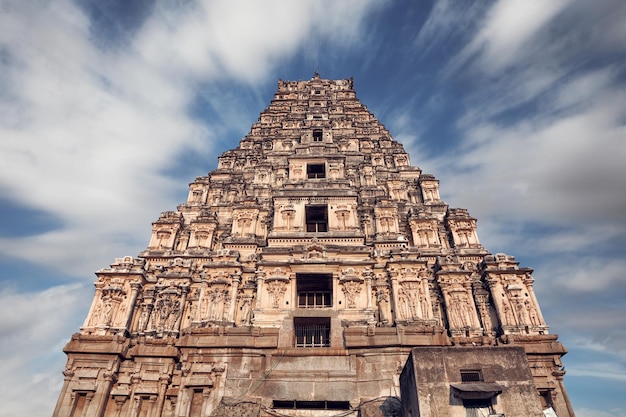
301, 277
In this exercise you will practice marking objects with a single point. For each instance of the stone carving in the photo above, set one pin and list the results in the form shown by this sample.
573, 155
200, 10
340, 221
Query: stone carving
246, 310
276, 289
412, 301
382, 298
166, 312
351, 289
389, 266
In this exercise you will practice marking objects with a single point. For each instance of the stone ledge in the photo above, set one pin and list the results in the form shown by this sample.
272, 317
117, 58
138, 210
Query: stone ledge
111, 345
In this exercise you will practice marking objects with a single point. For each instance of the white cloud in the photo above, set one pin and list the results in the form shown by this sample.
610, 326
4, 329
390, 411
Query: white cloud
92, 132
557, 170
598, 370
586, 412
505, 35
89, 129
34, 328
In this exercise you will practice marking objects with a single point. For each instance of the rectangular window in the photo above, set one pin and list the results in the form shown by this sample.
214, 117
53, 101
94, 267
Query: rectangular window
311, 331
314, 290
317, 136
311, 405
316, 171
471, 376
477, 408
316, 219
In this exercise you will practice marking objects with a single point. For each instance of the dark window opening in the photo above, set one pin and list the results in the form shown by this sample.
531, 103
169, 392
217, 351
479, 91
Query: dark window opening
314, 290
316, 171
311, 331
546, 399
317, 136
477, 408
311, 405
471, 376
316, 219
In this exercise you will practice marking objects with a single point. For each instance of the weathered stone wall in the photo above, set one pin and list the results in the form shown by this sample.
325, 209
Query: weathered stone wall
429, 379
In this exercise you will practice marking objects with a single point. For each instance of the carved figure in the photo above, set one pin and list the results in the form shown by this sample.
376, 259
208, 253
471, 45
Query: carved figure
121, 314
351, 289
95, 316
246, 311
143, 318
108, 313
216, 308
383, 306
458, 311
276, 289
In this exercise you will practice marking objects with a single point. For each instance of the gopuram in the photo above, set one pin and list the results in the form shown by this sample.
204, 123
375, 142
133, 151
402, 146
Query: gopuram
315, 272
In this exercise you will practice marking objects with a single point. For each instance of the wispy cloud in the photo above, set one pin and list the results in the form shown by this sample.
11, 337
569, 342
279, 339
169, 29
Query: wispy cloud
92, 131
97, 110
34, 328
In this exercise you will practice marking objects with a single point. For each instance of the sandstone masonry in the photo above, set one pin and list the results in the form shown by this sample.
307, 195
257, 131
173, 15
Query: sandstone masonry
297, 278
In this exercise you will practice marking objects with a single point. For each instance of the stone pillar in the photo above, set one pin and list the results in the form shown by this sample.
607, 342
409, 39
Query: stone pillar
531, 292
368, 288
63, 408
426, 300
259, 288
98, 411
101, 396
183, 301
134, 292
236, 280
164, 381
96, 300
394, 295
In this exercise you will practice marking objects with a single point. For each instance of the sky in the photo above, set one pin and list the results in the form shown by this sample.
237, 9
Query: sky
110, 108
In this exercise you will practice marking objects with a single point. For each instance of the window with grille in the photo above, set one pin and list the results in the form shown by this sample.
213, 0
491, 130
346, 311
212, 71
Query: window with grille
316, 218
317, 136
471, 376
311, 331
314, 290
311, 405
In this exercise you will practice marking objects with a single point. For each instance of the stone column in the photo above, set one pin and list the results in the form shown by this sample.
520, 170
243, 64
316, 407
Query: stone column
102, 396
259, 288
135, 286
96, 299
63, 408
531, 292
426, 300
183, 300
368, 288
394, 296
164, 381
236, 280
472, 306
201, 300
86, 411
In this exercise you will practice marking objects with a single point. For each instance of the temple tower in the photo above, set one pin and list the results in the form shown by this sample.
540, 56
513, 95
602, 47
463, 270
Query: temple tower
299, 276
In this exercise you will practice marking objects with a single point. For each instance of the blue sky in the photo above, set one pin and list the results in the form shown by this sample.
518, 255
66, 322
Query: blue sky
108, 109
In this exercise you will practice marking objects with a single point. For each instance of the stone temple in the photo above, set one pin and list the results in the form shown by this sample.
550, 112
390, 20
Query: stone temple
315, 272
